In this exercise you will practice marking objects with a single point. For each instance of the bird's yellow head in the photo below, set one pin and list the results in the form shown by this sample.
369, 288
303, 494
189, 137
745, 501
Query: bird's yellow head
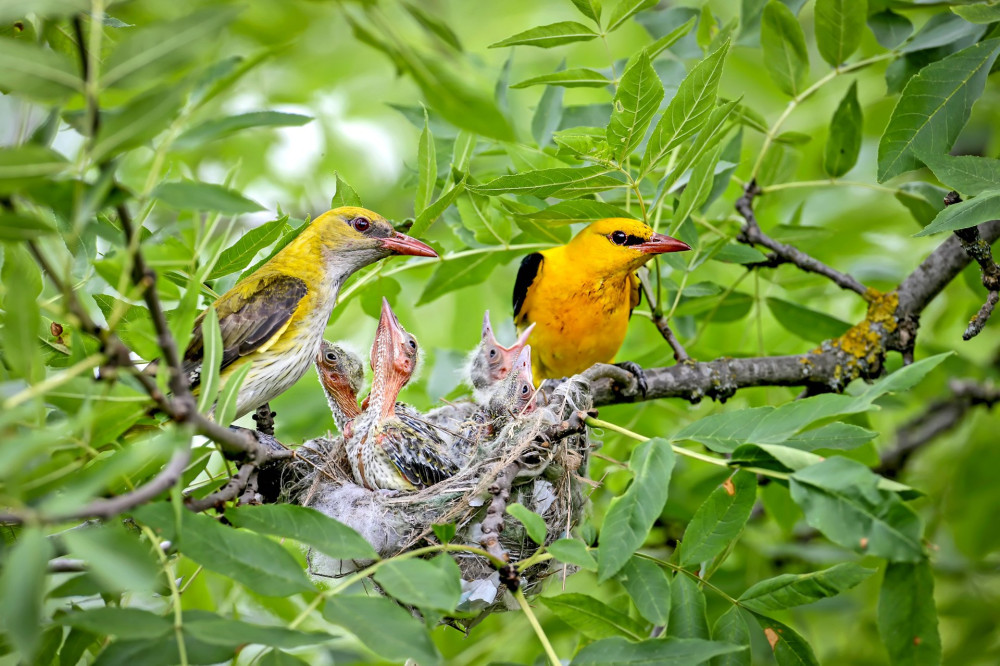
364, 235
619, 245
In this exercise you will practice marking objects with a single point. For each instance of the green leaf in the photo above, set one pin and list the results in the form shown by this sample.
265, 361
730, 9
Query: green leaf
22, 588
191, 195
534, 524
305, 525
890, 29
426, 169
548, 113
626, 9
139, 121
840, 24
923, 200
687, 609
22, 317
843, 436
345, 194
237, 256
124, 623
659, 651
631, 515
547, 36
434, 25
638, 97
445, 532
279, 658
934, 108
698, 187
844, 142
573, 551
907, 618
116, 558
463, 272
688, 111
790, 649
424, 583
429, 215
592, 618
671, 38
163, 46
788, 590
213, 629
41, 74
578, 210
589, 8
12, 10
225, 408
841, 498
966, 214
982, 14
542, 183
784, 43
568, 78
246, 557
969, 174
220, 128
731, 627
384, 628
719, 520
810, 325
19, 227
943, 29
648, 587
27, 165
488, 225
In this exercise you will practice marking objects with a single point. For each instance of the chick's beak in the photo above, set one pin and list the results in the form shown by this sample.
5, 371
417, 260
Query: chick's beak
402, 244
661, 243
487, 334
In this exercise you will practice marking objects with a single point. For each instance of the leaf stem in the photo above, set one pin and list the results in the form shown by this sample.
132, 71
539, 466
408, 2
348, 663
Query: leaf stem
671, 565
175, 595
803, 96
680, 450
53, 381
833, 182
533, 621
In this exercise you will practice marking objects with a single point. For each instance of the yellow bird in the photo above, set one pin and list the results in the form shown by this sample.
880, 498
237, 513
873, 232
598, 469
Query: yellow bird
579, 296
274, 318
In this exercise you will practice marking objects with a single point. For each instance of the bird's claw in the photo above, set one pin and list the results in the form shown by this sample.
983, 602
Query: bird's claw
636, 371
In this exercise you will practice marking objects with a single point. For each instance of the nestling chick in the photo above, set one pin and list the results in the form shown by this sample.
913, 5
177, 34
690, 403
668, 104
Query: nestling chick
387, 451
491, 361
341, 375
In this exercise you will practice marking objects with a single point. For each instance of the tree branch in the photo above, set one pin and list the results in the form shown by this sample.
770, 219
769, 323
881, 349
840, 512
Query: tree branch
978, 249
751, 234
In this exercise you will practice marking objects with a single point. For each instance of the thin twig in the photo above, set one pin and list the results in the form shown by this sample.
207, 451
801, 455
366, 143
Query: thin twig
663, 326
980, 251
751, 234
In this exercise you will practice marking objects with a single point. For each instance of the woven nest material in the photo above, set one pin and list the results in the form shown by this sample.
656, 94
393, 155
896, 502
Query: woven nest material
537, 458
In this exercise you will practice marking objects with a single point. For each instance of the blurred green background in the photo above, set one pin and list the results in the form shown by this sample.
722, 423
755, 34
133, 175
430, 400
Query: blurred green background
365, 127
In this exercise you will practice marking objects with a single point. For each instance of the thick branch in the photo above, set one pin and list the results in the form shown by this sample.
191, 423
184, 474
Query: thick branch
752, 235
228, 492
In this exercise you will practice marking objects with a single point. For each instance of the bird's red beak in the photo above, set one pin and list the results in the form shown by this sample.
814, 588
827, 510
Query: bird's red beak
389, 327
661, 243
403, 244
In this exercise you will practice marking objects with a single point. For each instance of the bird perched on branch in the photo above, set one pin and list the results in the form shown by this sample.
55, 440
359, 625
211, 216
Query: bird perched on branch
274, 318
387, 450
491, 361
341, 376
580, 296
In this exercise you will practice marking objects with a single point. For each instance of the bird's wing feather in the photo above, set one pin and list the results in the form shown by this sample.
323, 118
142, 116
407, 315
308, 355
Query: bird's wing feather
526, 274
416, 451
247, 322
635, 293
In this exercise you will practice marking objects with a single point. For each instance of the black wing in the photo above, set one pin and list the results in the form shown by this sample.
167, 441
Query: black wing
246, 322
526, 274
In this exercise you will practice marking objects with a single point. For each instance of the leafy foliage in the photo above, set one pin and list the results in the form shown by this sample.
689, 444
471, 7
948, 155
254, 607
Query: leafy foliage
196, 125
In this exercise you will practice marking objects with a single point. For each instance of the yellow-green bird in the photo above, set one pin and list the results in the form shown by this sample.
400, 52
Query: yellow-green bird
274, 318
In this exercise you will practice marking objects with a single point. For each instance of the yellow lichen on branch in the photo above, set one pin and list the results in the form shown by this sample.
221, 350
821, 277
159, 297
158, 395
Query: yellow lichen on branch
864, 343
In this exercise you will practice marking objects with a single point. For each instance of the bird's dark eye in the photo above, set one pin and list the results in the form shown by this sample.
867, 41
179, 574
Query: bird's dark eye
618, 237
525, 389
493, 353
413, 344
331, 357
361, 224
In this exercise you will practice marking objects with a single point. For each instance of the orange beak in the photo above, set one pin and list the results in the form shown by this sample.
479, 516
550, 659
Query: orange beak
402, 244
661, 244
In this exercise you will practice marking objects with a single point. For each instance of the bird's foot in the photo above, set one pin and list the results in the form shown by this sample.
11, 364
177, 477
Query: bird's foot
388, 492
623, 381
636, 371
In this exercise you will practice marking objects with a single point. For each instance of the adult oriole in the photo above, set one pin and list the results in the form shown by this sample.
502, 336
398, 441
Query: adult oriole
274, 318
579, 296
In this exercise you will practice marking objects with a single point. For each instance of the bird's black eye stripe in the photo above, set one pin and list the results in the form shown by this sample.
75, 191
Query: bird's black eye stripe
621, 238
634, 240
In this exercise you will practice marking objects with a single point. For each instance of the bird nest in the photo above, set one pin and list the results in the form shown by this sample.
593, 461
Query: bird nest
539, 460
